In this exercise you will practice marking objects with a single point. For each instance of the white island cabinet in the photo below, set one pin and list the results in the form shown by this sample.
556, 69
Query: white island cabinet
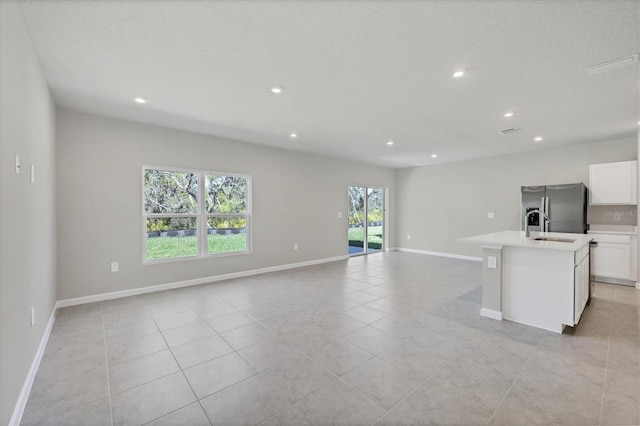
541, 281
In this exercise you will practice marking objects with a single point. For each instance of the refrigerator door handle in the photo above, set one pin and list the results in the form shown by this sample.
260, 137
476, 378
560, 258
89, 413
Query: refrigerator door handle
546, 211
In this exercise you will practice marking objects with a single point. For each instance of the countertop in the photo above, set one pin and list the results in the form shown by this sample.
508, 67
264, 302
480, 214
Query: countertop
518, 239
613, 229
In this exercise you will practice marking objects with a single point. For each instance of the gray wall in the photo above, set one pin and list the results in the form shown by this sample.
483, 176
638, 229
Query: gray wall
296, 198
27, 210
439, 204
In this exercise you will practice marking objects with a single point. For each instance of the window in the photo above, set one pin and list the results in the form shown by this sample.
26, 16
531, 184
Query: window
226, 214
178, 224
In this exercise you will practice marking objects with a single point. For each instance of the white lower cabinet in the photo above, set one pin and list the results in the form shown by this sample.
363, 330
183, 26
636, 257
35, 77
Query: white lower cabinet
581, 288
612, 260
613, 256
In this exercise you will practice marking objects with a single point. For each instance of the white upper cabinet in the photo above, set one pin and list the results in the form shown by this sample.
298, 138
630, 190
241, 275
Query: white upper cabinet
614, 183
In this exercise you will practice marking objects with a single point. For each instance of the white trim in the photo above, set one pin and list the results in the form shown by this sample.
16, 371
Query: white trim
21, 403
187, 283
638, 286
490, 313
437, 253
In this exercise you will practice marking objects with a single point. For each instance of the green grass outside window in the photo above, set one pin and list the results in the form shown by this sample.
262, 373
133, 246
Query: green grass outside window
168, 247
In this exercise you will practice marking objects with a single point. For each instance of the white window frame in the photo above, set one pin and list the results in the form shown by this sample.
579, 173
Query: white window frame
201, 216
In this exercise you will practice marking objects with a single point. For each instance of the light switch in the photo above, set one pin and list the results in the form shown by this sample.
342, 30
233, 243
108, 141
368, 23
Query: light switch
492, 262
33, 173
490, 215
339, 215
17, 163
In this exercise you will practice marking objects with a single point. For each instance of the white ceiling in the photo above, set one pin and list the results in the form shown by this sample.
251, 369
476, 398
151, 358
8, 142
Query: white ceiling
355, 73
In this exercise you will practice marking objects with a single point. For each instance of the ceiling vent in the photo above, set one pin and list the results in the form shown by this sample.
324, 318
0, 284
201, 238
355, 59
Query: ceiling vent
612, 65
507, 132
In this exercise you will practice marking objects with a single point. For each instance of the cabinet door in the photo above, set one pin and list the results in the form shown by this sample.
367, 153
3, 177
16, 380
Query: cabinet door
613, 183
577, 290
581, 288
612, 260
633, 273
586, 282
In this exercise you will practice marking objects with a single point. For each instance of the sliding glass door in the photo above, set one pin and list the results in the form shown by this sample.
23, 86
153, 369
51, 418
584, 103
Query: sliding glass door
366, 219
356, 219
375, 219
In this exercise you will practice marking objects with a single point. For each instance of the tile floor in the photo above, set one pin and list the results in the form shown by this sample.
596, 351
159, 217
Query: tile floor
388, 339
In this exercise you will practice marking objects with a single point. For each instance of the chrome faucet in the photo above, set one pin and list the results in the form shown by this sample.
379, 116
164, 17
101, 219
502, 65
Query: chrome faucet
526, 221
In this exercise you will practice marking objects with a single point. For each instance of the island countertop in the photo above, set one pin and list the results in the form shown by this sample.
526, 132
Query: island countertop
518, 239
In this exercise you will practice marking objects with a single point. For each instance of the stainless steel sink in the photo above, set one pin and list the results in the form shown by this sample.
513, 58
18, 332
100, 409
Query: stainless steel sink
555, 240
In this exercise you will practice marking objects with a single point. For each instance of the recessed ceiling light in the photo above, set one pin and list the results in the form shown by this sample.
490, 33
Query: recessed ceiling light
538, 138
509, 114
140, 100
390, 143
458, 74
434, 155
276, 89
293, 135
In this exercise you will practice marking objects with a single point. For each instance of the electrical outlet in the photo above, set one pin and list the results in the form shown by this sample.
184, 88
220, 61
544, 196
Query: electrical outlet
408, 237
295, 246
32, 317
492, 262
490, 215
115, 266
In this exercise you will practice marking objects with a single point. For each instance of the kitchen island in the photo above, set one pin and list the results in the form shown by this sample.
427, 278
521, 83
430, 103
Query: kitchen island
541, 281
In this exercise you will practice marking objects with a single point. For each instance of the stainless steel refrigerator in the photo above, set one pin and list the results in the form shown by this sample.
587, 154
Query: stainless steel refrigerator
565, 205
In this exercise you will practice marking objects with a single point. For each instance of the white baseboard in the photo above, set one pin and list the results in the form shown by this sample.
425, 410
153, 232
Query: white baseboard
437, 253
18, 409
490, 313
187, 283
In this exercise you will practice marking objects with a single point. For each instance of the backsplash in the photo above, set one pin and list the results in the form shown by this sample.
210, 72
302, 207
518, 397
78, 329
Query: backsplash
612, 215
